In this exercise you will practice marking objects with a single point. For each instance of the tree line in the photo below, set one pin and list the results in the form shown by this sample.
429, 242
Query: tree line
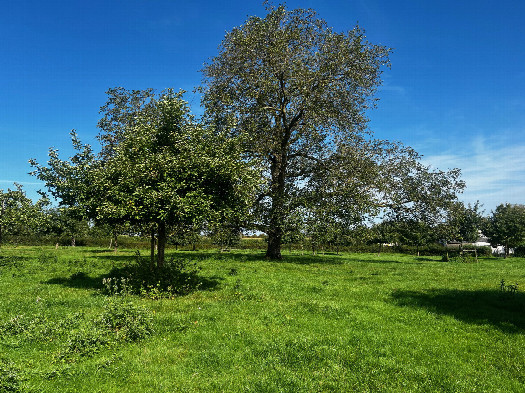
283, 148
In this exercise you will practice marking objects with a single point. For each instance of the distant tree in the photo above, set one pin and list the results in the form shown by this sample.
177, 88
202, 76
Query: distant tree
415, 233
19, 215
463, 223
383, 233
506, 226
300, 92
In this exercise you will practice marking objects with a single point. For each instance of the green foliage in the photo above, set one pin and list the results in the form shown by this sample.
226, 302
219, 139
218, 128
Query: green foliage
128, 321
463, 223
302, 111
19, 216
506, 226
84, 342
519, 251
158, 169
9, 377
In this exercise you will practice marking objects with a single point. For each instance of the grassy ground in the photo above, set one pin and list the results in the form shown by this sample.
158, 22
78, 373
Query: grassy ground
340, 323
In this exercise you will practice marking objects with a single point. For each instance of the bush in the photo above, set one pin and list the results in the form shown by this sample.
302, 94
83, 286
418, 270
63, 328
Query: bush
85, 342
9, 377
129, 322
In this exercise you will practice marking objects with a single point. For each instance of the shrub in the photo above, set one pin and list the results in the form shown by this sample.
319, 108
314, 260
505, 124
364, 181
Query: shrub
520, 251
84, 342
129, 322
9, 377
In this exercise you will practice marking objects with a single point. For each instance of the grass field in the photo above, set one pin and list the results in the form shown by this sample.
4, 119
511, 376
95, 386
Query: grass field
334, 323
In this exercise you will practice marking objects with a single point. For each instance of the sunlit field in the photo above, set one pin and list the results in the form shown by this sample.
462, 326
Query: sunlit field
341, 323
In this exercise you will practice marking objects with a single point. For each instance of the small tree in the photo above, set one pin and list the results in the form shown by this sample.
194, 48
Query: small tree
506, 226
167, 170
19, 215
463, 223
158, 169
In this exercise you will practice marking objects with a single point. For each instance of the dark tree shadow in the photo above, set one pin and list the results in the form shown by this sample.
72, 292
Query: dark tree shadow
78, 280
81, 280
258, 256
429, 259
384, 261
503, 310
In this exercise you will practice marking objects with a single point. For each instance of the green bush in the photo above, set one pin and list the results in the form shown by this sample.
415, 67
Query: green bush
84, 342
9, 377
127, 321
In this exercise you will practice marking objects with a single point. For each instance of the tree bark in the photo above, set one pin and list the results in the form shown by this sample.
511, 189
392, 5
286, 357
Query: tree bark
275, 233
161, 243
115, 239
152, 248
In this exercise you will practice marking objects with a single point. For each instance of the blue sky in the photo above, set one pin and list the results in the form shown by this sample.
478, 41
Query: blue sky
455, 91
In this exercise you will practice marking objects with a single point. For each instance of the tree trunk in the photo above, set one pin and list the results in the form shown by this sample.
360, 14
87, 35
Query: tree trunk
115, 239
152, 248
274, 244
275, 233
161, 244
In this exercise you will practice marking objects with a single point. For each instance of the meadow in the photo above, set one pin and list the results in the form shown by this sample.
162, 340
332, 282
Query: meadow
324, 323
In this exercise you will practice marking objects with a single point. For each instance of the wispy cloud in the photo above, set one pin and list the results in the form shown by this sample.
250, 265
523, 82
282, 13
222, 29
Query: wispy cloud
493, 169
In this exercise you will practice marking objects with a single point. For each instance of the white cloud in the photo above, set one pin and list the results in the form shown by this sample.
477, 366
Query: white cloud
493, 169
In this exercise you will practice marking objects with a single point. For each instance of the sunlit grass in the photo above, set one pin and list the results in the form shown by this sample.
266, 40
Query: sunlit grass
353, 322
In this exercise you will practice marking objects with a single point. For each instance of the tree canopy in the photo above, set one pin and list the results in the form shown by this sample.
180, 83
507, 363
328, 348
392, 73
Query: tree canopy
157, 168
506, 226
301, 92
19, 215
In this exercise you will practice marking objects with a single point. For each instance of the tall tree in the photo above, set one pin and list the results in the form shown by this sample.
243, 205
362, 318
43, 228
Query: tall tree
506, 226
300, 91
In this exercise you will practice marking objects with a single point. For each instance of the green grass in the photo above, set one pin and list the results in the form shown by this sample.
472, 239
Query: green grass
340, 323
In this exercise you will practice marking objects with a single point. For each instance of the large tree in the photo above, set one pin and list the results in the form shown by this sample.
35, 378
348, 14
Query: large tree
301, 91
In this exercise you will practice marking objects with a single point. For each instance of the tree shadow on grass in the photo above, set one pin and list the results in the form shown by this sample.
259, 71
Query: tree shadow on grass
81, 280
259, 256
503, 310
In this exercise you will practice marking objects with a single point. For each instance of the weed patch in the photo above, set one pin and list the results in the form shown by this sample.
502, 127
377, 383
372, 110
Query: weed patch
9, 377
